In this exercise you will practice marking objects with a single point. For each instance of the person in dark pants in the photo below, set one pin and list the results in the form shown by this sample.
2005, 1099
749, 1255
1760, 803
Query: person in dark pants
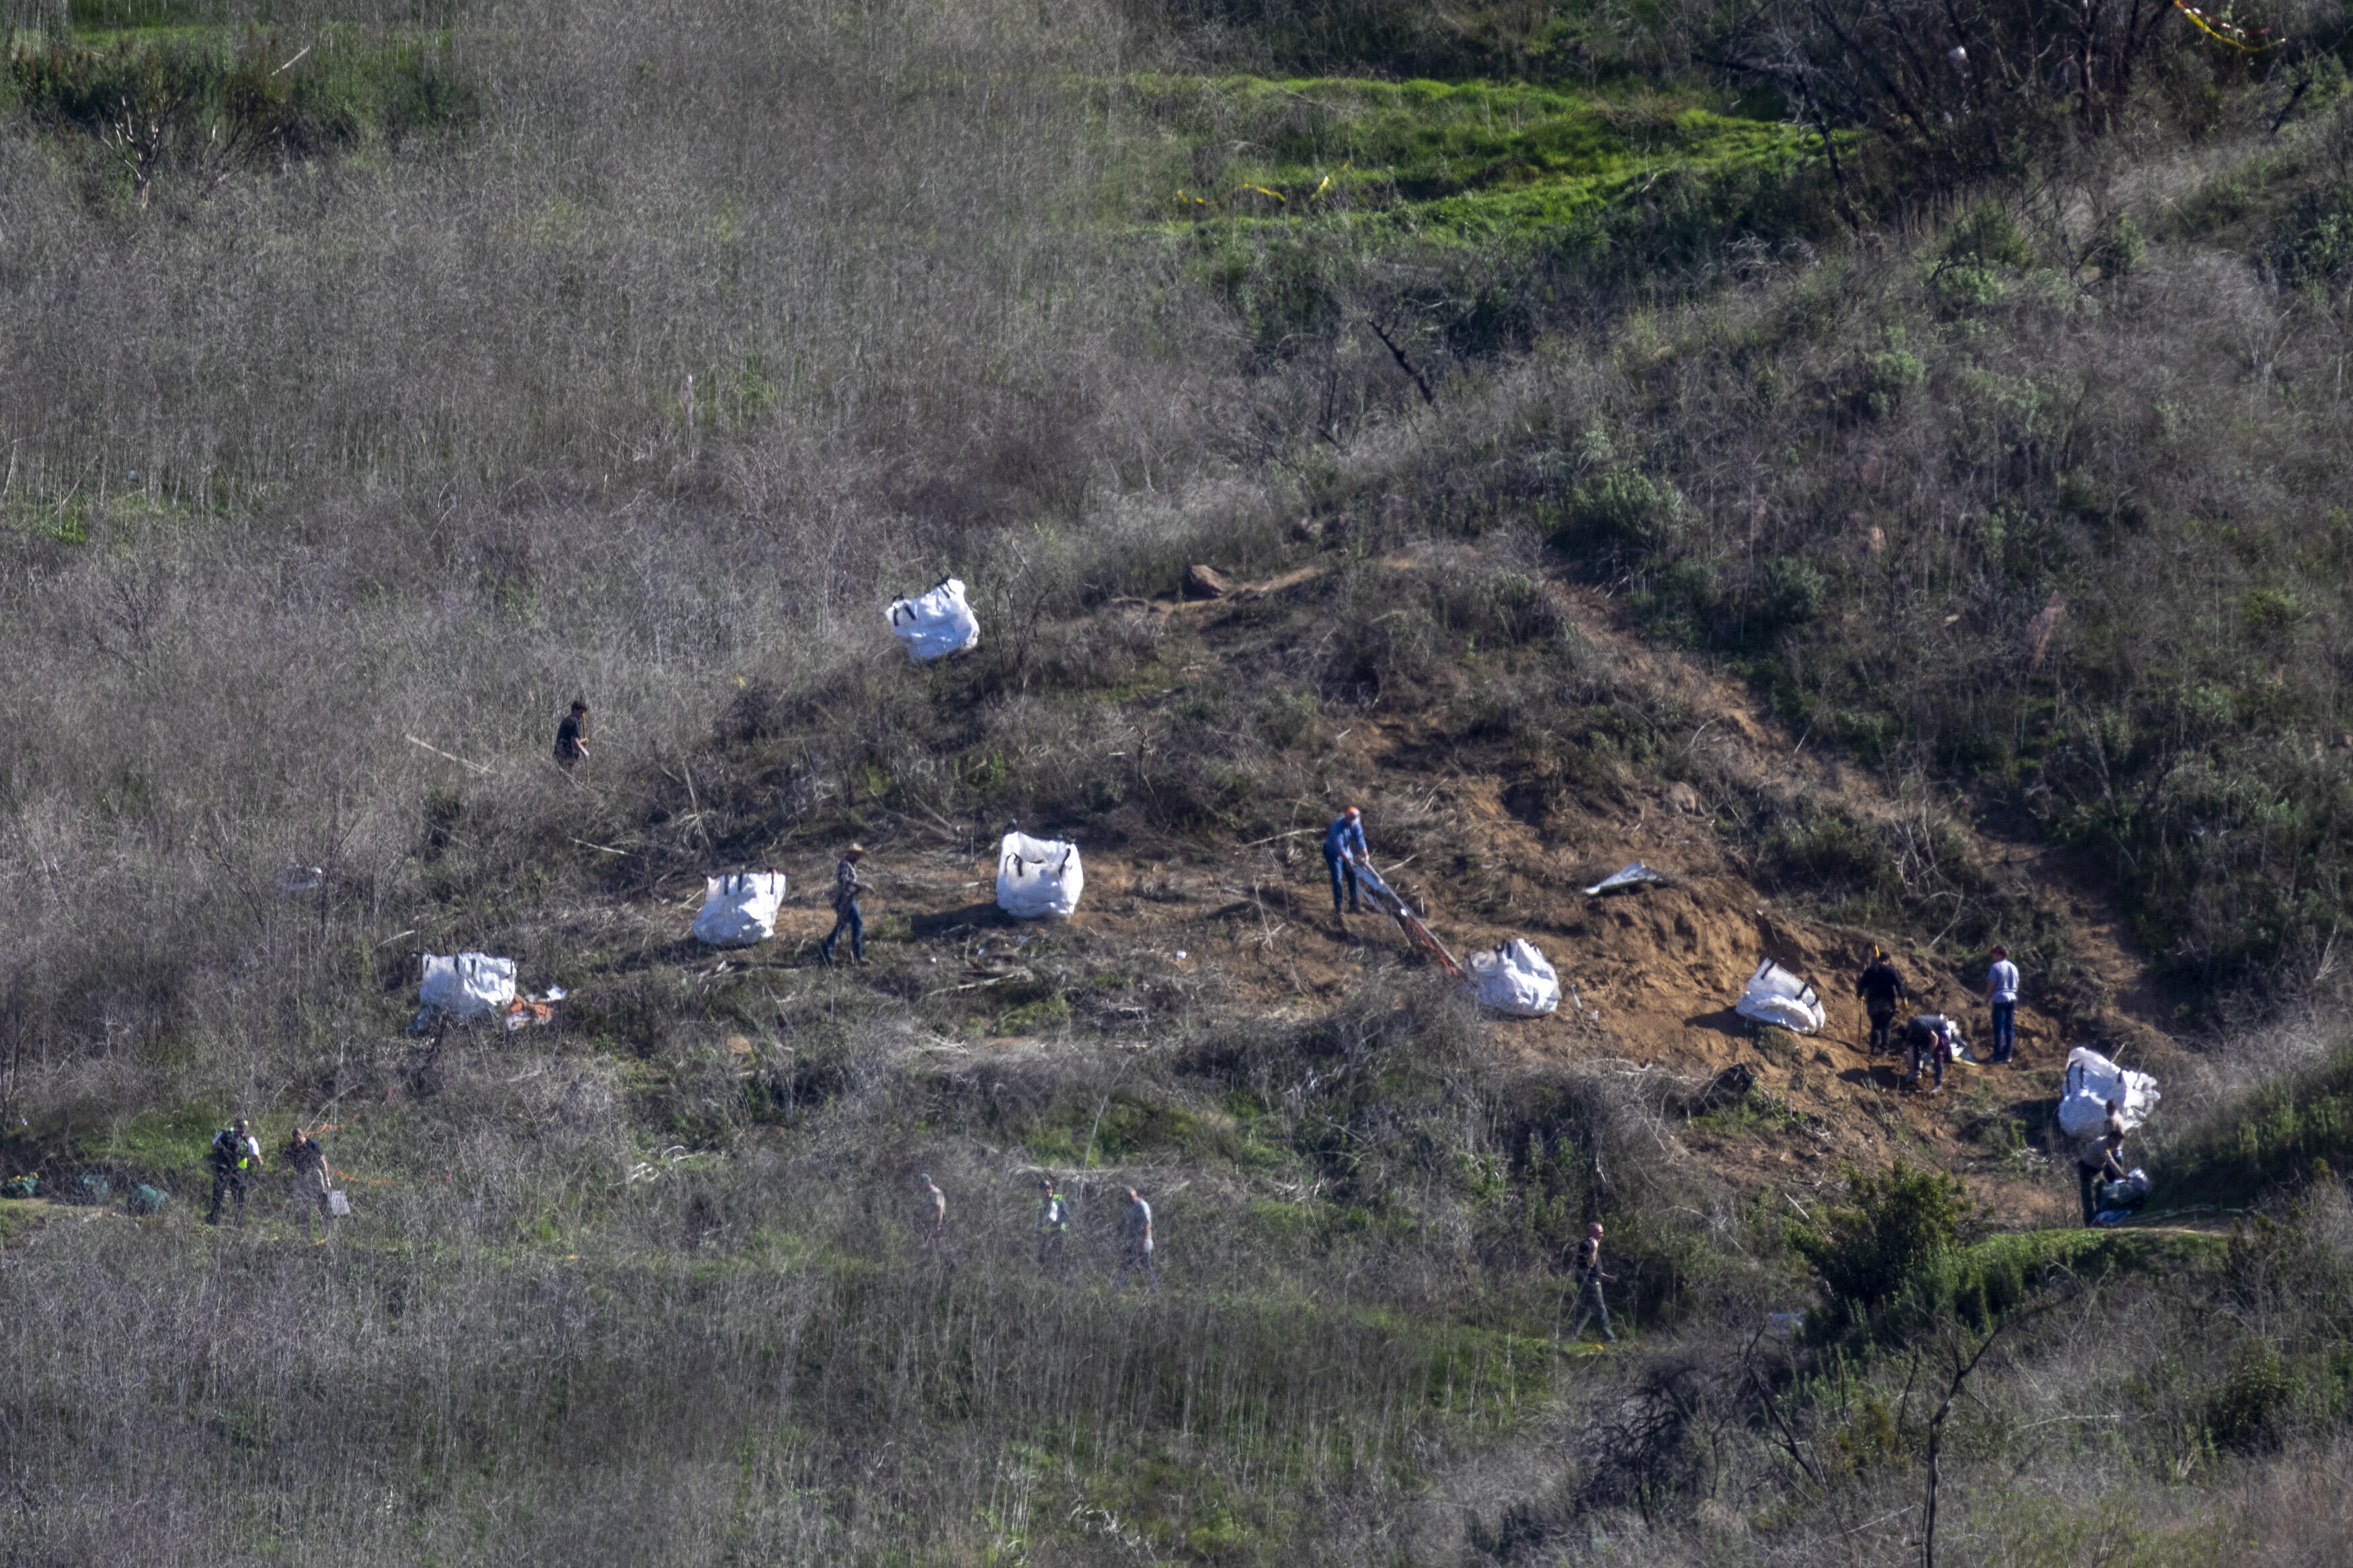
1135, 1241
1589, 1280
1882, 990
1053, 1230
1344, 842
2001, 1001
2102, 1164
309, 1163
571, 736
846, 916
236, 1157
1929, 1038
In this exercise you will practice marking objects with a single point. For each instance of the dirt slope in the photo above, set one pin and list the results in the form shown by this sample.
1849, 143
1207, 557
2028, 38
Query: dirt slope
1651, 973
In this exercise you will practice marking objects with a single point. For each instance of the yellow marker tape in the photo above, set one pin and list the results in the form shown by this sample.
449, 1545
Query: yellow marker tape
2198, 20
1261, 190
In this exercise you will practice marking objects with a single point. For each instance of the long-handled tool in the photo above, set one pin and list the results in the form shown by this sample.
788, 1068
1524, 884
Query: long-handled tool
1419, 935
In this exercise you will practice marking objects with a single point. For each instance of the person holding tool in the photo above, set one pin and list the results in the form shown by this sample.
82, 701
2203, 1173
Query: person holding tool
1344, 845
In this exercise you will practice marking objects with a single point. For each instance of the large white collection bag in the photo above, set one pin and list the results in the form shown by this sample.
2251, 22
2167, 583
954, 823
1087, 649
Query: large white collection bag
936, 624
1037, 877
1515, 979
1777, 996
468, 984
739, 910
2093, 1080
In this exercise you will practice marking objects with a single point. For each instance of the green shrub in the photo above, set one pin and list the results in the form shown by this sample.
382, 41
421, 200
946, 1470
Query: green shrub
2247, 1413
1893, 1238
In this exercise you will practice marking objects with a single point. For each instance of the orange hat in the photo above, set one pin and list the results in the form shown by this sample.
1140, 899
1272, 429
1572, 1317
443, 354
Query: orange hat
1352, 811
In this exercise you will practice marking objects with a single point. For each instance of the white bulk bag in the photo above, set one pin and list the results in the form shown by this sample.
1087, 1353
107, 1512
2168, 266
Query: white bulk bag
2093, 1080
1515, 979
936, 624
1777, 996
740, 910
1037, 877
468, 984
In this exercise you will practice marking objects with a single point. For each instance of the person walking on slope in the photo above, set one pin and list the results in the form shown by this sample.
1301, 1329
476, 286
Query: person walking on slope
309, 1163
938, 1203
1589, 1280
1882, 990
571, 736
1135, 1241
1344, 845
2001, 1000
235, 1155
1053, 1230
846, 916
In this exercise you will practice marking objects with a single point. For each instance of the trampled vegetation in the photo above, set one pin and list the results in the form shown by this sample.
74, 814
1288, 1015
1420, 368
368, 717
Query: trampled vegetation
378, 378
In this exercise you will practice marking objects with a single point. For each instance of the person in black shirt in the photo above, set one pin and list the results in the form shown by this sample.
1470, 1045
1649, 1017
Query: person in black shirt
1882, 990
571, 736
235, 1155
309, 1163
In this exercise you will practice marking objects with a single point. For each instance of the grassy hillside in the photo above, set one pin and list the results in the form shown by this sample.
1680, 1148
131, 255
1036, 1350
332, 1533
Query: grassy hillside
1903, 501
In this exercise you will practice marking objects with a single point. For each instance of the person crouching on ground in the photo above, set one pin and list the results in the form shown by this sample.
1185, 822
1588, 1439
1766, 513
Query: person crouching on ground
2102, 1163
1929, 1038
1344, 843
846, 916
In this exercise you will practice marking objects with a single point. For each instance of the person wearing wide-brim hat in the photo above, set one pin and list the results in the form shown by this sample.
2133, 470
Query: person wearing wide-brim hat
846, 915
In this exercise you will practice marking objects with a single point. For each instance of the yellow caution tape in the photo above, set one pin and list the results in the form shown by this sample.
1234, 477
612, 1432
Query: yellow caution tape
2224, 32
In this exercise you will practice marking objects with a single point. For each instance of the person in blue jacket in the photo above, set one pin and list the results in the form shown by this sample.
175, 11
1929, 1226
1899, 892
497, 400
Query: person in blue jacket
1344, 843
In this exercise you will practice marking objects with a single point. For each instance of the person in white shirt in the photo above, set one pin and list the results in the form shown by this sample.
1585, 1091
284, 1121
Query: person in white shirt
1135, 1241
2001, 997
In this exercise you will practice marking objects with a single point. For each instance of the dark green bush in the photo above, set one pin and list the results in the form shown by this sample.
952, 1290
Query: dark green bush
1893, 1237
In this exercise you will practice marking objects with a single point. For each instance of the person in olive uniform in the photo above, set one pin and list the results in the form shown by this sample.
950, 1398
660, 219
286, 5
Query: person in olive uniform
1589, 1280
236, 1157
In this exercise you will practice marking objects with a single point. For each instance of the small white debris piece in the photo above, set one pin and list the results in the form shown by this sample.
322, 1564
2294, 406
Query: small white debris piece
1634, 875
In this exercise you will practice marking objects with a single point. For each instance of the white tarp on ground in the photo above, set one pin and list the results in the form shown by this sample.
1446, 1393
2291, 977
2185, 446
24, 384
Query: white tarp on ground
936, 624
468, 984
739, 910
1037, 877
2093, 1080
1515, 979
1777, 996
